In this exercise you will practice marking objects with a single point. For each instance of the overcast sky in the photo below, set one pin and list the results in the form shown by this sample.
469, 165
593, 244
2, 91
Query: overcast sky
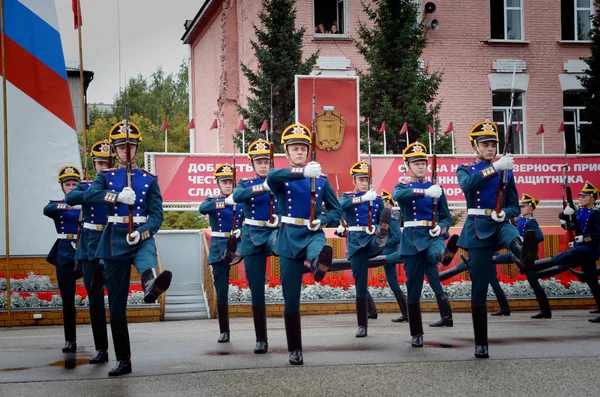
150, 37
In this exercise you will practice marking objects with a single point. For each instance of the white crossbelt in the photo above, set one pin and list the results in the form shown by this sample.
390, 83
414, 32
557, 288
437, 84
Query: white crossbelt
479, 211
125, 219
65, 236
295, 221
254, 222
92, 226
220, 234
417, 223
357, 228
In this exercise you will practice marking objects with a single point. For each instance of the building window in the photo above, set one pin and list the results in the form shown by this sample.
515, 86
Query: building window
501, 109
506, 18
331, 18
576, 19
574, 116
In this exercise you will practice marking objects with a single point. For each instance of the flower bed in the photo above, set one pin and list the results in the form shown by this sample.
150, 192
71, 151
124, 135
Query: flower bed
26, 282
339, 287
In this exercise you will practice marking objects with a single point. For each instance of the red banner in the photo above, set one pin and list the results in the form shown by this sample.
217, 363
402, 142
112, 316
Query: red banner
189, 178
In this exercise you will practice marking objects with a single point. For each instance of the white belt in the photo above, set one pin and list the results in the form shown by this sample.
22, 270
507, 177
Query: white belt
64, 236
92, 226
220, 234
357, 228
295, 221
125, 219
254, 222
417, 223
479, 211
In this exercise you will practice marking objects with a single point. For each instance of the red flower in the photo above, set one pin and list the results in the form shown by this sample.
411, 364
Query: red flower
45, 296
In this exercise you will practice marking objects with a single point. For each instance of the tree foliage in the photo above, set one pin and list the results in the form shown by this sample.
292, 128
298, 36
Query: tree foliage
397, 88
278, 51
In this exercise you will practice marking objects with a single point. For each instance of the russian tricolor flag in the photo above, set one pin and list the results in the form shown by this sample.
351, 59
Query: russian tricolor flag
41, 125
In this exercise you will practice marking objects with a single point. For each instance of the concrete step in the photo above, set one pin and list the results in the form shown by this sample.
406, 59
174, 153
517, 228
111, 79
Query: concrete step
185, 316
184, 299
185, 289
185, 308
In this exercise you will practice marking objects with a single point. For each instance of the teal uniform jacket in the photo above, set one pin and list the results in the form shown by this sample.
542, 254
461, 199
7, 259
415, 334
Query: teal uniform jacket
66, 221
479, 181
394, 236
356, 213
93, 215
256, 201
292, 190
220, 216
148, 202
588, 220
416, 207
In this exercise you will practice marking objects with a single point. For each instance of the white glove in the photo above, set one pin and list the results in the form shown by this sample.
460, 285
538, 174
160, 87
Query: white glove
74, 245
571, 244
436, 231
579, 239
229, 200
135, 236
340, 230
563, 224
568, 210
312, 170
370, 231
76, 207
371, 195
504, 163
433, 191
498, 217
237, 233
316, 224
127, 196
275, 223
266, 186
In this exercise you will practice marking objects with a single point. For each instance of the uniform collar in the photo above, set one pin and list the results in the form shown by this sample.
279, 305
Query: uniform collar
133, 165
527, 216
480, 160
420, 180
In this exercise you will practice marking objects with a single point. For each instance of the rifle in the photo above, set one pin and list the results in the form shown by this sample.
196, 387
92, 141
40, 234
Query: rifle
507, 136
234, 220
342, 220
313, 157
128, 168
272, 198
571, 222
370, 216
434, 178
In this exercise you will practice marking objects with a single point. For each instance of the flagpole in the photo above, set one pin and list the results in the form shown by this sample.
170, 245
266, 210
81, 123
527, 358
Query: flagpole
407, 138
430, 152
543, 144
82, 91
271, 140
452, 141
6, 213
384, 143
166, 133
218, 137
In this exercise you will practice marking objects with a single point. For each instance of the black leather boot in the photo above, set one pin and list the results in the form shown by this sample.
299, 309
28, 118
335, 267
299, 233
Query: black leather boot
293, 333
401, 299
70, 346
450, 251
122, 367
100, 357
453, 271
516, 248
503, 302
154, 285
223, 315
415, 324
445, 312
371, 307
120, 334
320, 266
542, 314
361, 316
595, 320
578, 274
549, 272
381, 238
259, 314
479, 314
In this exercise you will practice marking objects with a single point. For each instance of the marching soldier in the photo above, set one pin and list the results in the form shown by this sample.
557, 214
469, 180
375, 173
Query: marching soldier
422, 246
62, 254
94, 222
132, 196
258, 234
485, 231
586, 247
368, 222
224, 223
300, 238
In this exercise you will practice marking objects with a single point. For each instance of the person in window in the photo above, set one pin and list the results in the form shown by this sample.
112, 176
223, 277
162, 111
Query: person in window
321, 29
334, 29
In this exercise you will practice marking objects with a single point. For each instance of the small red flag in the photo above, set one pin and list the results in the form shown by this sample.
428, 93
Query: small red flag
540, 130
191, 125
449, 129
164, 125
242, 125
404, 128
214, 125
76, 14
430, 128
518, 129
264, 127
561, 128
382, 129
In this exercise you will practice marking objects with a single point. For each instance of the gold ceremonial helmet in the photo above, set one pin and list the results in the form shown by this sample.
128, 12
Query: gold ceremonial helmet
591, 189
296, 133
483, 131
259, 149
69, 172
223, 171
360, 168
118, 133
528, 199
387, 196
414, 151
101, 151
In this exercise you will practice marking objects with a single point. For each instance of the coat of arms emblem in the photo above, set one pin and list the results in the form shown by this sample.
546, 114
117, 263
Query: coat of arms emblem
330, 129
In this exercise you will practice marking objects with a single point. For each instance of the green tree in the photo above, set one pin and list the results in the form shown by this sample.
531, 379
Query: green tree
181, 220
396, 88
589, 133
278, 51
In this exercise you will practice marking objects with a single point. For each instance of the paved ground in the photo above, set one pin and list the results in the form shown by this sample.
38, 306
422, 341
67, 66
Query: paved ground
556, 357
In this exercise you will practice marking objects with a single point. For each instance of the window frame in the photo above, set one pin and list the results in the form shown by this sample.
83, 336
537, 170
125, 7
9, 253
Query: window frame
505, 10
577, 8
331, 36
505, 110
577, 123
